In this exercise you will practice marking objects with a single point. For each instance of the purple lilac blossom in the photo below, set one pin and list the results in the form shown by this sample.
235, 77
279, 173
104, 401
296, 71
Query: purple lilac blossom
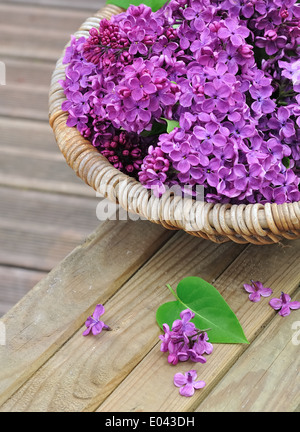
284, 304
184, 341
227, 71
188, 382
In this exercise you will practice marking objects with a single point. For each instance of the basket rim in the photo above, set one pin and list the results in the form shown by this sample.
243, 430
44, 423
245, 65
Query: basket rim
242, 223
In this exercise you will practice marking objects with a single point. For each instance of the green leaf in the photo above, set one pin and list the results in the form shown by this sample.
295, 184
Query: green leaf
171, 124
286, 162
211, 311
154, 4
157, 129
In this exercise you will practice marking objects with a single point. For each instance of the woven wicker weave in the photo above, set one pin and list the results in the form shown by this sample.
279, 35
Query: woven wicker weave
252, 223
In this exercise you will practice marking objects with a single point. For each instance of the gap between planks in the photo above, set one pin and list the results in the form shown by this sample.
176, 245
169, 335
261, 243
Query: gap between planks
38, 33
84, 372
56, 307
130, 305
44, 18
87, 5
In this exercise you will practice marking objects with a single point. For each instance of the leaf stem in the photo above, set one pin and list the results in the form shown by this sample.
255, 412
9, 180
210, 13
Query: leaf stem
172, 291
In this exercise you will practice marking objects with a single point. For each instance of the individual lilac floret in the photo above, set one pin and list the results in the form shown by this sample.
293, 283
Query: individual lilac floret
284, 304
184, 325
283, 123
203, 346
234, 32
256, 290
188, 383
93, 323
165, 339
271, 41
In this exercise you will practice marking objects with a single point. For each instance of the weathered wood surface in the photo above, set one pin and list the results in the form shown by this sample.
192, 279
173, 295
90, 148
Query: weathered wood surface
50, 314
47, 365
266, 375
38, 230
37, 188
38, 33
57, 268
15, 282
87, 5
273, 266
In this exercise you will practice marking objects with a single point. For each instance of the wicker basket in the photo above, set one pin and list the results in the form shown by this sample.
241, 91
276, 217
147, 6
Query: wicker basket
253, 223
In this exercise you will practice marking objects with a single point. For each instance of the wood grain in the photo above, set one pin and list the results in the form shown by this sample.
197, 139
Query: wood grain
27, 136
86, 370
34, 230
41, 173
25, 102
29, 155
48, 212
38, 230
22, 72
25, 94
53, 311
45, 18
88, 5
266, 377
33, 43
14, 284
150, 385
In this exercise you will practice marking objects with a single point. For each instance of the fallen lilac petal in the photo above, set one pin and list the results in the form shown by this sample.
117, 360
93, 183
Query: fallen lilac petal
187, 383
284, 304
93, 323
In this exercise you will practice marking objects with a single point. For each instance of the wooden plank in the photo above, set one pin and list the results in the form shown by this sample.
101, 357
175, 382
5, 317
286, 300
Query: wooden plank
51, 312
27, 135
43, 18
14, 284
72, 215
24, 101
91, 5
35, 249
32, 43
22, 72
24, 148
40, 172
26, 91
86, 370
38, 32
38, 230
266, 377
23, 161
150, 385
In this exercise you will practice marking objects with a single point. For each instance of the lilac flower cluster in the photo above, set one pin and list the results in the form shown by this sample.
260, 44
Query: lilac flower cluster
184, 341
227, 72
